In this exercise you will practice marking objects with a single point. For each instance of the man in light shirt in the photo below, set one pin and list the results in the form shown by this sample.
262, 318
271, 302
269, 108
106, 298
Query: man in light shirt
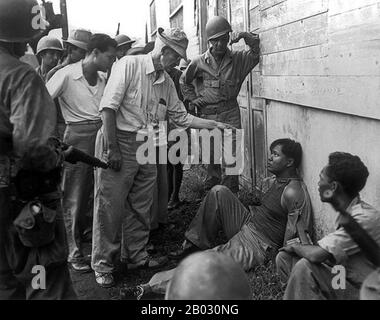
308, 268
139, 94
80, 87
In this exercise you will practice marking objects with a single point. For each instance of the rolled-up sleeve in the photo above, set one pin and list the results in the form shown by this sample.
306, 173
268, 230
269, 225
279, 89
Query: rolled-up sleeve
340, 245
176, 109
116, 87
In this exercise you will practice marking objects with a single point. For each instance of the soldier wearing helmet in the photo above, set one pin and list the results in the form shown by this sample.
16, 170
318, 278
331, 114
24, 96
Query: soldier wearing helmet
27, 120
124, 43
213, 81
49, 51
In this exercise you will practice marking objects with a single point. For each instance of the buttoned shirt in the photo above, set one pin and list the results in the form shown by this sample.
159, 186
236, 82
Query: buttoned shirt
345, 250
214, 83
78, 100
143, 97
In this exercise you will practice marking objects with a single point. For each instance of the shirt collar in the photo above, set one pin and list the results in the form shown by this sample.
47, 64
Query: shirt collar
149, 63
150, 70
353, 204
227, 56
78, 70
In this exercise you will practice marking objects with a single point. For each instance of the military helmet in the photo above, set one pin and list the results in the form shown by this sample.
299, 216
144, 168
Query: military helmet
217, 27
16, 20
49, 43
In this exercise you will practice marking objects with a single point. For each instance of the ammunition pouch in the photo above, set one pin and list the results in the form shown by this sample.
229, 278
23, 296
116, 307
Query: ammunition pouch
35, 225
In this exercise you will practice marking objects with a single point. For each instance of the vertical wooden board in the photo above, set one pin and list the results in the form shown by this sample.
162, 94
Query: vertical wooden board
265, 4
259, 145
356, 25
290, 11
340, 6
256, 84
222, 8
303, 33
247, 149
253, 4
307, 61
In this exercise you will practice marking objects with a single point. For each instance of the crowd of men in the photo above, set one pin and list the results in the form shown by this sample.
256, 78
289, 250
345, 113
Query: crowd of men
97, 94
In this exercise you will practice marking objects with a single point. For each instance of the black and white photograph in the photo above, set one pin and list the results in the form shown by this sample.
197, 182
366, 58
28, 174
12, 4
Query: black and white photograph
213, 151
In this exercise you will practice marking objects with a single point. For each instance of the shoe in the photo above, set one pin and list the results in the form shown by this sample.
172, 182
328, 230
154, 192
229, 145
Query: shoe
131, 293
104, 279
186, 249
80, 267
148, 263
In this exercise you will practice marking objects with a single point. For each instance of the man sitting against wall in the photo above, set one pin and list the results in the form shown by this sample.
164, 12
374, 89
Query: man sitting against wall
308, 269
255, 234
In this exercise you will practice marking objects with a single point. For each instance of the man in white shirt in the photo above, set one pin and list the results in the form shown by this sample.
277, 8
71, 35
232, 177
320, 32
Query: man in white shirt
139, 94
308, 268
80, 87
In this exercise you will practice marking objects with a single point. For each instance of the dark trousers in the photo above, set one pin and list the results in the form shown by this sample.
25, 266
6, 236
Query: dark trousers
17, 262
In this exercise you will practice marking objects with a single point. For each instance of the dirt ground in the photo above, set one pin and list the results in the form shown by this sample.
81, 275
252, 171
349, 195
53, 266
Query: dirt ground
263, 280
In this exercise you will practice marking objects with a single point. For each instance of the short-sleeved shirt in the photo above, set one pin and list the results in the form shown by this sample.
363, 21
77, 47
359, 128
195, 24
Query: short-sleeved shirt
345, 250
213, 83
143, 97
27, 112
78, 100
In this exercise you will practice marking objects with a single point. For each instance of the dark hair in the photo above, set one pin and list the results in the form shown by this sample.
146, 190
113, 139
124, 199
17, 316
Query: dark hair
349, 171
101, 42
290, 148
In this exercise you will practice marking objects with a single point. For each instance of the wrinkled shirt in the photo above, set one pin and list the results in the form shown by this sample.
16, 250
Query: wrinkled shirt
27, 112
345, 250
78, 100
143, 97
215, 84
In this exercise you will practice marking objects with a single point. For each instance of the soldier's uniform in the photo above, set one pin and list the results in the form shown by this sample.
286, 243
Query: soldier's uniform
218, 87
27, 116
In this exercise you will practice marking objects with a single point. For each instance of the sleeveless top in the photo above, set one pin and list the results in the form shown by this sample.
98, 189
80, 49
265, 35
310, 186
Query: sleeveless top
270, 219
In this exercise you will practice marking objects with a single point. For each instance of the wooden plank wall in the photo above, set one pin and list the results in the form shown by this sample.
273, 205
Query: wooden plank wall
320, 53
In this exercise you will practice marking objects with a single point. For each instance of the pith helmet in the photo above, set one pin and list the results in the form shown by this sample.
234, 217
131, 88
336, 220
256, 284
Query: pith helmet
49, 43
217, 27
79, 38
16, 20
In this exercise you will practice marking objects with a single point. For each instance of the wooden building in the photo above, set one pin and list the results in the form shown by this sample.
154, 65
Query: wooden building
318, 80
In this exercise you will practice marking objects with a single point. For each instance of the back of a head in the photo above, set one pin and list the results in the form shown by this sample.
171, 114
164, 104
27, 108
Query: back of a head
349, 171
208, 276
